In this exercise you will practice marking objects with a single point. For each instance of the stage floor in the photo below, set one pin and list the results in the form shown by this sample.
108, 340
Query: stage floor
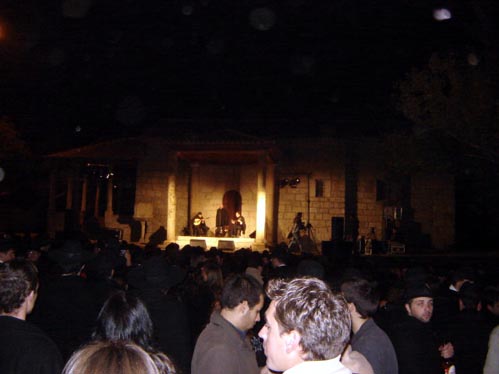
207, 242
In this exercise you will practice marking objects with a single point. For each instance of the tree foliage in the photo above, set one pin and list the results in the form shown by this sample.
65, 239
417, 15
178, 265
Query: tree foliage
455, 104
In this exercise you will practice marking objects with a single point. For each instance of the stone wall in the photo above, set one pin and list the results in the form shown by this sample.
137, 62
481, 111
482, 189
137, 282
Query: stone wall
311, 162
432, 198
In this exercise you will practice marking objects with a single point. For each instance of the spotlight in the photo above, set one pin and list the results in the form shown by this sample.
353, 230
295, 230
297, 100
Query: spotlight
293, 183
283, 182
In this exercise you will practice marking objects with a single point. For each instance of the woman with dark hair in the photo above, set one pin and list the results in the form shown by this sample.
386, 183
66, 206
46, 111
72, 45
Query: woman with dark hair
125, 317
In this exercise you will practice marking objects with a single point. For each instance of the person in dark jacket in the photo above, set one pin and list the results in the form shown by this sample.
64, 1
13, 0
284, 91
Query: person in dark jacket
24, 348
66, 308
469, 331
223, 346
418, 347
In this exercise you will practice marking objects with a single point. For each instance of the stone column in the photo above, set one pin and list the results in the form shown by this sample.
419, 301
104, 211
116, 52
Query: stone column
108, 214
69, 193
270, 184
195, 188
97, 197
51, 213
83, 207
171, 228
260, 207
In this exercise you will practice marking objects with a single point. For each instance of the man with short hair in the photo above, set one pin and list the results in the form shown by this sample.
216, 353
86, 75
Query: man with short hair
417, 347
307, 327
368, 338
223, 346
24, 348
469, 331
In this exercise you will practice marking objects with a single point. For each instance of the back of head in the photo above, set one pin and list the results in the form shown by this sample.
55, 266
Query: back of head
124, 317
469, 294
308, 306
106, 357
17, 279
239, 288
362, 294
462, 274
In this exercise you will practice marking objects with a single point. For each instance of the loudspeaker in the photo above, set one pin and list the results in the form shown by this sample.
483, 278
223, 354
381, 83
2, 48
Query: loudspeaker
337, 228
198, 243
227, 245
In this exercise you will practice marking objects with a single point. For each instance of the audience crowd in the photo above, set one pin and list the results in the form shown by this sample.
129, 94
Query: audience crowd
74, 305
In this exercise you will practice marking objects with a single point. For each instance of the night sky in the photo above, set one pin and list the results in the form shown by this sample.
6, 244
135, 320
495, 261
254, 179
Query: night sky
79, 70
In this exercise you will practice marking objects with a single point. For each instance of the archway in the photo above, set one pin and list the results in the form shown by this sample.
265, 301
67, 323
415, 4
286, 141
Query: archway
232, 202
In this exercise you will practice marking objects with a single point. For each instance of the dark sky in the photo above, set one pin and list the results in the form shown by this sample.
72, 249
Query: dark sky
76, 70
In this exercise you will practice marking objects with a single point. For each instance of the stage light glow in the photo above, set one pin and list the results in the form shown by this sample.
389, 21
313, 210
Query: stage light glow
260, 212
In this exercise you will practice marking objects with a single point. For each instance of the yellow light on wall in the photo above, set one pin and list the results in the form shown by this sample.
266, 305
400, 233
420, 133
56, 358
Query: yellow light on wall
260, 214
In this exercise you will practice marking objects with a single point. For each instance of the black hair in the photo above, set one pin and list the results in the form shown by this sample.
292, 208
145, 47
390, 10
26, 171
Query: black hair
362, 294
17, 279
125, 317
239, 288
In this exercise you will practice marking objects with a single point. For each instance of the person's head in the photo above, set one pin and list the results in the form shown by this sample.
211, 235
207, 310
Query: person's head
124, 317
7, 250
242, 300
18, 287
362, 295
238, 214
70, 256
34, 254
461, 276
469, 297
419, 302
211, 273
305, 321
278, 257
117, 357
491, 299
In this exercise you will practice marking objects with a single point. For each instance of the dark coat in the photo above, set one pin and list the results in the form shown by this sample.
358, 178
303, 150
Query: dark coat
469, 333
25, 349
416, 347
171, 326
221, 349
66, 310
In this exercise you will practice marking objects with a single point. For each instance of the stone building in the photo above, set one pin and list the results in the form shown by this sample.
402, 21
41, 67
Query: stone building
151, 186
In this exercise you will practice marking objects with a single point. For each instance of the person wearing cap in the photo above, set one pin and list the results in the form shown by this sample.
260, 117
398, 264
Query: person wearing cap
24, 348
152, 283
66, 308
417, 345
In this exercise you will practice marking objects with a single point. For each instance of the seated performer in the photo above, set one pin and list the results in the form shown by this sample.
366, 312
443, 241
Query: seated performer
199, 227
238, 226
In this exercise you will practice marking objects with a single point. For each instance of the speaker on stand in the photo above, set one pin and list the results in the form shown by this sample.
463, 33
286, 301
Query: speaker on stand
337, 229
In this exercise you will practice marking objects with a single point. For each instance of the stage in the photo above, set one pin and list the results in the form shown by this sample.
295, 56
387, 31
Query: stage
206, 242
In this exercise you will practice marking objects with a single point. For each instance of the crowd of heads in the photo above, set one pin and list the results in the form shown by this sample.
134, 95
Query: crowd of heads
308, 312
